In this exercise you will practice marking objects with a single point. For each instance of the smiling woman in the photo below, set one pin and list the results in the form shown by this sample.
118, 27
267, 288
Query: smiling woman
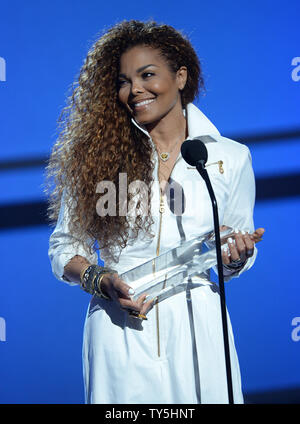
152, 91
96, 121
128, 116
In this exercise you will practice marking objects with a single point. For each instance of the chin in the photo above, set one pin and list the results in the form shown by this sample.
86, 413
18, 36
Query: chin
143, 120
147, 119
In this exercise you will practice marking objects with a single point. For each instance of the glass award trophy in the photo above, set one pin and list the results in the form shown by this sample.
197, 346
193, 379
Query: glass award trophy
167, 274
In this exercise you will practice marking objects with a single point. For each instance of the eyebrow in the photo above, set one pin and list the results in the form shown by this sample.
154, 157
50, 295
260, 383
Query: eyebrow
142, 68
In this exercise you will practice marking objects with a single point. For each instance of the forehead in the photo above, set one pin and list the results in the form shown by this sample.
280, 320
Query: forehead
139, 56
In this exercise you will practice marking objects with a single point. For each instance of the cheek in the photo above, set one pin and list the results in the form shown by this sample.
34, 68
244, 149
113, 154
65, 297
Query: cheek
123, 96
165, 87
158, 87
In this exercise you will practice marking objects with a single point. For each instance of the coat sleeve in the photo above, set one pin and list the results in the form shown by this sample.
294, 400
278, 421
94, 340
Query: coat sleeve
63, 246
239, 210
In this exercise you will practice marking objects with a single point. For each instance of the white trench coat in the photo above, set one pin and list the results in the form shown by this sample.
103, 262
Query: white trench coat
162, 360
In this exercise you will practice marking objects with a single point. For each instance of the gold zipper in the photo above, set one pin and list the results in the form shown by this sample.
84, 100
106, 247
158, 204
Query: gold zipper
220, 163
161, 211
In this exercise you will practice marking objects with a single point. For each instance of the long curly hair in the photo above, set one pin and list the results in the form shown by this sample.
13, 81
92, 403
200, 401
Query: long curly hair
97, 140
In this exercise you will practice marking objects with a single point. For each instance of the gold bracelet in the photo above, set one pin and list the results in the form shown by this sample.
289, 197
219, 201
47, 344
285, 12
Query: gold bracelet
100, 292
92, 287
82, 273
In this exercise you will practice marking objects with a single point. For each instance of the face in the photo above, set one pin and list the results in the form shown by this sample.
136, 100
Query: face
147, 87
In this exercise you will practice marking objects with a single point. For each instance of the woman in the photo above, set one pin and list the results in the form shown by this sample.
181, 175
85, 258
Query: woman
128, 116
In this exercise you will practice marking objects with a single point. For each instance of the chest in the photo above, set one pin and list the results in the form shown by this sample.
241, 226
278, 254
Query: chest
165, 166
187, 205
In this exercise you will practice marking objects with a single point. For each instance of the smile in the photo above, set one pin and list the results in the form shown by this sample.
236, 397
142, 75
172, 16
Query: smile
143, 103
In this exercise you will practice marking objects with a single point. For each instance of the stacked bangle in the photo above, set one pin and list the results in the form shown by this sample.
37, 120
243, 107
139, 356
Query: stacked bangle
91, 278
235, 264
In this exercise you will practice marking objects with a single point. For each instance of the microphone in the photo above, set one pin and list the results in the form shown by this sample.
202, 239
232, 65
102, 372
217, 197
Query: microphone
194, 152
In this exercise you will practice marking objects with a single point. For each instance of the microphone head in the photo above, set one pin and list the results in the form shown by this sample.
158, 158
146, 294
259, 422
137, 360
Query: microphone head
194, 151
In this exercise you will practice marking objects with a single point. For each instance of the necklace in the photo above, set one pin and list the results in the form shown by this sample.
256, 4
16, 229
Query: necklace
164, 156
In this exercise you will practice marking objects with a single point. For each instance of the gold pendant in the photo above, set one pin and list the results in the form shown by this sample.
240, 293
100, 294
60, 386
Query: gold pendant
164, 156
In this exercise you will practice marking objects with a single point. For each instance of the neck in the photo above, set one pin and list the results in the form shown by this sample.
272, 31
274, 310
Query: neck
169, 130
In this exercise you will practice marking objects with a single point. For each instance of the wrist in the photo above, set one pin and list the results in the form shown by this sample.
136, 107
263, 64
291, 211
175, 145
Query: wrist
91, 279
73, 269
233, 269
235, 264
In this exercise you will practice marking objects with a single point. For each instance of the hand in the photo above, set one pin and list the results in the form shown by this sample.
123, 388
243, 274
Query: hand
241, 246
121, 293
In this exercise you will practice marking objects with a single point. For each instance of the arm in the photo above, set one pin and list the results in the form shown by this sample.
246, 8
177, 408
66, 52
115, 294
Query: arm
239, 211
68, 255
74, 268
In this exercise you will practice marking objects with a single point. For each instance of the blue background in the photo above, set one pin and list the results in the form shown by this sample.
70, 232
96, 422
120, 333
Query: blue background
246, 50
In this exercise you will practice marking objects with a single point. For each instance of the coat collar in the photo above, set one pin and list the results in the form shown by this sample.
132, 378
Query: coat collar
198, 123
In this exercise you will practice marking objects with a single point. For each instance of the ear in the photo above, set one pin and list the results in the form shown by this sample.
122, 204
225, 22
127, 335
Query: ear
181, 76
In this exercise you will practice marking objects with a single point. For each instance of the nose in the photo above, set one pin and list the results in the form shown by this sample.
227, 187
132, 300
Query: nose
136, 87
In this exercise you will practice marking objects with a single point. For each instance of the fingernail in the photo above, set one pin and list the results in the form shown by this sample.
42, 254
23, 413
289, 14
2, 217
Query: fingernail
230, 240
243, 232
236, 231
131, 291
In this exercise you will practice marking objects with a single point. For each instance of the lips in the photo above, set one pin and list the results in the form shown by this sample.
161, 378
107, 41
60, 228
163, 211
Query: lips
142, 103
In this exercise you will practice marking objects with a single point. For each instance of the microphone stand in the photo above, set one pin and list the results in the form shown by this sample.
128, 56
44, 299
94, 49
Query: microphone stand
203, 172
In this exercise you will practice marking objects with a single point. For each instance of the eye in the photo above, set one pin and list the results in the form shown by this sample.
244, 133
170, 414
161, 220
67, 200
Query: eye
147, 74
121, 83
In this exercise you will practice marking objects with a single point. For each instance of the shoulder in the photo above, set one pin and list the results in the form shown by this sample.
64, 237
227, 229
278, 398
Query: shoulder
231, 150
229, 145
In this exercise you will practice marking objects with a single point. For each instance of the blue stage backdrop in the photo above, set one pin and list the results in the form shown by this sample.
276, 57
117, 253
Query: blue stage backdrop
251, 60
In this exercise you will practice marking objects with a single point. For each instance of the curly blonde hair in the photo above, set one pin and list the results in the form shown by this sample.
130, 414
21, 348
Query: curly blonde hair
97, 139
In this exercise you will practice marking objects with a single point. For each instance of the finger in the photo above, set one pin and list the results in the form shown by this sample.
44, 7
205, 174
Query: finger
240, 245
223, 227
257, 235
249, 243
141, 299
110, 284
144, 307
134, 305
225, 257
147, 306
130, 305
259, 231
234, 254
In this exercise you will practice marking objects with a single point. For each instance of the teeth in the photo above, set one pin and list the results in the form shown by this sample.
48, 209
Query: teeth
145, 102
